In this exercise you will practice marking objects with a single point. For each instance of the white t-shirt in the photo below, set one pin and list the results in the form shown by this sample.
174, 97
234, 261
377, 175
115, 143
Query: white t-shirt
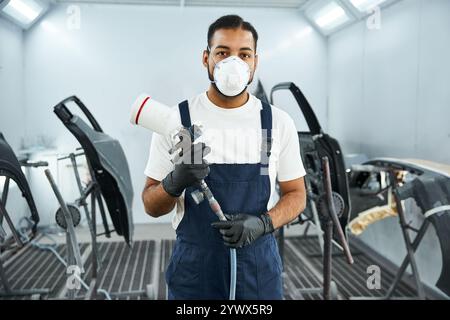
234, 136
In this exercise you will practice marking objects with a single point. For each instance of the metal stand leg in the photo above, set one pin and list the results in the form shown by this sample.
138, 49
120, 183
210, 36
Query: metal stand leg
73, 243
73, 250
93, 288
84, 193
406, 261
4, 214
331, 222
70, 261
327, 259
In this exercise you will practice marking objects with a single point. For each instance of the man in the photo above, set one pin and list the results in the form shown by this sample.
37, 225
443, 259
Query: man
250, 146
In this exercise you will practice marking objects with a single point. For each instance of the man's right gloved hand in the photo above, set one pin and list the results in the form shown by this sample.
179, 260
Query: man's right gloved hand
189, 170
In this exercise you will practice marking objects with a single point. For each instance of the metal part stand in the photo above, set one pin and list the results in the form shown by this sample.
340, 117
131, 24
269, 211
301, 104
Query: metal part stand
73, 250
330, 221
93, 190
409, 244
8, 291
411, 247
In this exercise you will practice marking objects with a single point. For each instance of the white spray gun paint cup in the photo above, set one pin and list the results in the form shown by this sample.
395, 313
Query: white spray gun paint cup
153, 115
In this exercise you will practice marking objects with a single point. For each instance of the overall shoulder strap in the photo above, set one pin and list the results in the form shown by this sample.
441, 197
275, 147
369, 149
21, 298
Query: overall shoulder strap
266, 126
184, 114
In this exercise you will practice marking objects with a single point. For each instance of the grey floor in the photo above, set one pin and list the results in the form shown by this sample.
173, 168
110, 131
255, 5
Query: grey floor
150, 231
140, 269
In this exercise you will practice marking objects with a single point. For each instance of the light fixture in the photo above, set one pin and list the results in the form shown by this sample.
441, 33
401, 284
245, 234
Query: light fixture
331, 15
23, 12
366, 5
327, 15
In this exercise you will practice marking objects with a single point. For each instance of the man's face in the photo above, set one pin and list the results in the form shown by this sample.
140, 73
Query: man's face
231, 42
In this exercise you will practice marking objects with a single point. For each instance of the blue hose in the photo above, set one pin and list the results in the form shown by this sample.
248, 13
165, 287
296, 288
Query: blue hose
233, 271
214, 205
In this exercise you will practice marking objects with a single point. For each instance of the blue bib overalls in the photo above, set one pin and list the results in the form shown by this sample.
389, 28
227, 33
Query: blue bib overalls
200, 264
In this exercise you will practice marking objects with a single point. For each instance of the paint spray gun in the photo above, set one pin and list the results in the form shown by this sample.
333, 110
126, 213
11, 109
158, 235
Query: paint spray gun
159, 118
186, 137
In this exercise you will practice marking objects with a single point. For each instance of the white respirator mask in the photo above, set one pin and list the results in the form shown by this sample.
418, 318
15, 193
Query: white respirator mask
231, 76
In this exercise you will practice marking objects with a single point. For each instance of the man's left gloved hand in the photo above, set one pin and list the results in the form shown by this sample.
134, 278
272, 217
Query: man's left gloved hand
242, 229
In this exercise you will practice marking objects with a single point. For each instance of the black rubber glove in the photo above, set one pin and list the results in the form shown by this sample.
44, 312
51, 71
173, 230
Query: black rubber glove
243, 229
187, 172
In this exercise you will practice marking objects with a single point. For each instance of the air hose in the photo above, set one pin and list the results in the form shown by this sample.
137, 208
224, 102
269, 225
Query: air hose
198, 197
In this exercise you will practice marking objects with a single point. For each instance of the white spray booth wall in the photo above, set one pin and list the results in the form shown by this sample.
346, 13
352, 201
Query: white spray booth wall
389, 97
121, 51
388, 88
12, 109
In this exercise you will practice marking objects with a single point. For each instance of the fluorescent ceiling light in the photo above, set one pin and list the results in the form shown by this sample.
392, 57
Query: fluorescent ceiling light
23, 11
366, 5
330, 16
